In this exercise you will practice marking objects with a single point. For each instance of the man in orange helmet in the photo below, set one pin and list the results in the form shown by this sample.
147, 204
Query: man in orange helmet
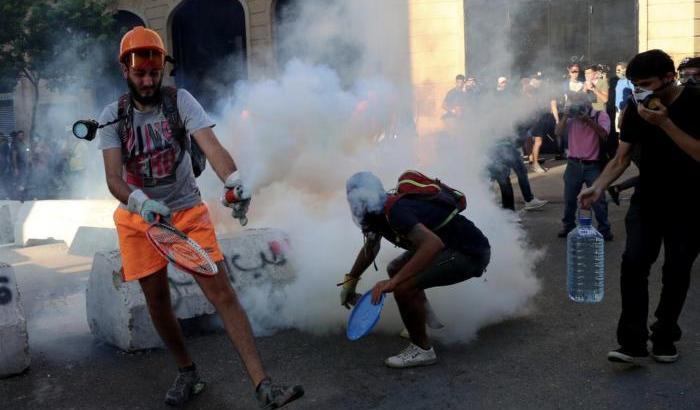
151, 152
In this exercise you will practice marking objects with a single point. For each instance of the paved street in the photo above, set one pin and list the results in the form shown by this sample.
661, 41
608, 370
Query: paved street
552, 358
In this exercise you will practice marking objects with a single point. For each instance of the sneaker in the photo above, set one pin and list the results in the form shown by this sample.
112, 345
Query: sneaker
412, 356
664, 352
187, 384
274, 396
537, 169
625, 355
534, 204
614, 194
404, 334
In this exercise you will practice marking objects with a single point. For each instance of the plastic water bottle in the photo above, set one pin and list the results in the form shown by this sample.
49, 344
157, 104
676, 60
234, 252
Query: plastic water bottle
585, 263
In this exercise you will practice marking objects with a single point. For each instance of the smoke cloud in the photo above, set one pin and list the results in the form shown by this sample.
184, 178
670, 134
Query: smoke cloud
297, 139
336, 108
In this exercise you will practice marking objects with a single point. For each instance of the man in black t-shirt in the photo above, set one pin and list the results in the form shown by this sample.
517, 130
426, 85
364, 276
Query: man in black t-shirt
454, 101
663, 207
442, 248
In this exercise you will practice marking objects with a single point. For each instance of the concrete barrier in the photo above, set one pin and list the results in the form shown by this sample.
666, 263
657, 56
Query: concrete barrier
14, 343
89, 240
117, 311
7, 232
60, 219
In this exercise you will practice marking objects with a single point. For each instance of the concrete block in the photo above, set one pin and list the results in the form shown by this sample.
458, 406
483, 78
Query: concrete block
7, 231
60, 219
89, 240
14, 343
117, 312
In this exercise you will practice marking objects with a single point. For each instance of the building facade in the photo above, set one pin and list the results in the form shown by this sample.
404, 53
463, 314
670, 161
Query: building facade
438, 46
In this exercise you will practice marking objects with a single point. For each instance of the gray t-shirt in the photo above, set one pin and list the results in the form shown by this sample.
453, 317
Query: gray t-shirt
153, 151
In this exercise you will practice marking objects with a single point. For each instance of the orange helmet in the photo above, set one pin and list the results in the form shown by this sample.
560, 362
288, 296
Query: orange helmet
142, 45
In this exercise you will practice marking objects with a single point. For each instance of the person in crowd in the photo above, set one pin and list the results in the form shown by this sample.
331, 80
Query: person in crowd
442, 248
596, 86
454, 101
504, 156
471, 88
540, 125
148, 163
586, 127
689, 72
663, 123
502, 84
572, 84
623, 91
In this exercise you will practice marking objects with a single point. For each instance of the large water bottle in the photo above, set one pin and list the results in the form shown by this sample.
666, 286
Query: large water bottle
585, 262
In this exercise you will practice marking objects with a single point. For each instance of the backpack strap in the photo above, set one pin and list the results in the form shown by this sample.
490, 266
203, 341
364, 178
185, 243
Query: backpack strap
394, 197
172, 115
125, 111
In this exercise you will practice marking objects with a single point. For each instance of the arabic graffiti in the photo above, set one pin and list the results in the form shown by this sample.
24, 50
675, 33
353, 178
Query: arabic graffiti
274, 256
5, 292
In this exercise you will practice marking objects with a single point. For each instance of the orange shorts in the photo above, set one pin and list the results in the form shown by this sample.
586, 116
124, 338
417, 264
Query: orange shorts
140, 258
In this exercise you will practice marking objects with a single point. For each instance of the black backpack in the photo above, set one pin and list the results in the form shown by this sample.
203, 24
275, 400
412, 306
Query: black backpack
125, 112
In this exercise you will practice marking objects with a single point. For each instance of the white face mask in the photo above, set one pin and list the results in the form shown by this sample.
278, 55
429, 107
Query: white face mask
641, 94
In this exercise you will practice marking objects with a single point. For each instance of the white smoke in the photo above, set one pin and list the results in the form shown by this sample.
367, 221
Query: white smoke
330, 113
298, 138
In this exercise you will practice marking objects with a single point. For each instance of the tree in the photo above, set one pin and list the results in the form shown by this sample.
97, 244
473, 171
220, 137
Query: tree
43, 40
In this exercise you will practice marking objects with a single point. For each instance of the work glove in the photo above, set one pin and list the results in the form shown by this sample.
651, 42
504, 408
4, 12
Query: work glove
348, 295
149, 209
236, 197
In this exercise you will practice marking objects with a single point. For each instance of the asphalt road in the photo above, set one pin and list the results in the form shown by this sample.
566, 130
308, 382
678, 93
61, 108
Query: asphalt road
552, 358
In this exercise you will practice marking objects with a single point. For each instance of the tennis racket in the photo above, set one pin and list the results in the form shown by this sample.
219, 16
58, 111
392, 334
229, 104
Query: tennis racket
180, 250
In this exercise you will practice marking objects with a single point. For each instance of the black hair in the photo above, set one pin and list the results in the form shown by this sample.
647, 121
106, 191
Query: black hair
693, 62
571, 65
460, 77
594, 67
652, 63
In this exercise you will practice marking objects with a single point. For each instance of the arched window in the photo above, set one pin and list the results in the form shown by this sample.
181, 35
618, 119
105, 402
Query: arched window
209, 47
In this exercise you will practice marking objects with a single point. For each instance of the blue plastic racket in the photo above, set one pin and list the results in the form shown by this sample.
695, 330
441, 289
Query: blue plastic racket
364, 316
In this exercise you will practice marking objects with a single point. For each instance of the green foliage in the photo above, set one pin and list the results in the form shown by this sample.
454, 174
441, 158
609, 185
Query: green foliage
44, 39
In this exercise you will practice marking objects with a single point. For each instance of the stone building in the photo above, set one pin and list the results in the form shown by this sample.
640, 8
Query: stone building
442, 38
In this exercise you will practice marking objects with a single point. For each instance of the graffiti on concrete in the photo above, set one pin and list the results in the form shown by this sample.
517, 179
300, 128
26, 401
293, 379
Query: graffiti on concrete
278, 259
274, 256
5, 292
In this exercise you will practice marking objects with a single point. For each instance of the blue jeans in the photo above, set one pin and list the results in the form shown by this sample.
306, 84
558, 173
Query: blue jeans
576, 174
504, 158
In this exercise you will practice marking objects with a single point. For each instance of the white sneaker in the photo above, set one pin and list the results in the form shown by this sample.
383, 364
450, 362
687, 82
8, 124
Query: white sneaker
535, 203
412, 356
537, 169
404, 334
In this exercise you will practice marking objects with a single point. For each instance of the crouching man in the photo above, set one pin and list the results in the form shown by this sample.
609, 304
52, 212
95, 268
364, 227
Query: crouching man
442, 248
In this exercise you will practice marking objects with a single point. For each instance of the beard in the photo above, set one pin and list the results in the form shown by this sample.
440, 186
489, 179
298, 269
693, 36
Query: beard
145, 100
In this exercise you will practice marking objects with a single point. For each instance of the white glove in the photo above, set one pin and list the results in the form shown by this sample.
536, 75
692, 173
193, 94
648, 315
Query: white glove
236, 197
140, 204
